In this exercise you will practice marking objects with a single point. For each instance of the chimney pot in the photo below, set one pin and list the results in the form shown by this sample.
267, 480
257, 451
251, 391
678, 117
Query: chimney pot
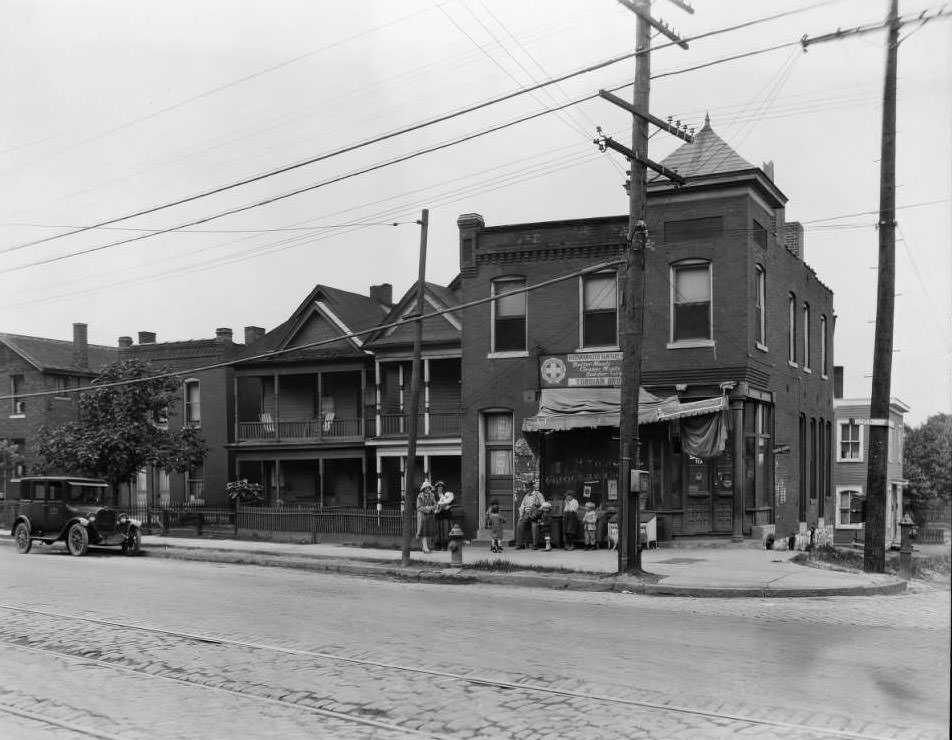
146, 337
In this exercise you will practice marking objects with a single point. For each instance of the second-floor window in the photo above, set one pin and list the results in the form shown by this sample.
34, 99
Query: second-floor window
824, 360
806, 336
17, 404
509, 316
850, 447
792, 329
760, 306
691, 301
193, 403
600, 310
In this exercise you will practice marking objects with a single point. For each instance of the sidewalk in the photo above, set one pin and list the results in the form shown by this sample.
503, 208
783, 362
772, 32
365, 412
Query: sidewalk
706, 570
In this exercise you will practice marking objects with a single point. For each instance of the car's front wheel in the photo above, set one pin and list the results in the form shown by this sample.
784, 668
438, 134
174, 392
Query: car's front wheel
77, 540
133, 544
22, 536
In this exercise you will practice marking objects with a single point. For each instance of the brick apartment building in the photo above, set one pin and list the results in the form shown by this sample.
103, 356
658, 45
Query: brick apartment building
737, 351
205, 404
31, 365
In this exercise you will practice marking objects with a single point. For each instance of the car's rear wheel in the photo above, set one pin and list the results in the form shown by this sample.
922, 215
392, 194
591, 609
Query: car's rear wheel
133, 543
22, 536
77, 540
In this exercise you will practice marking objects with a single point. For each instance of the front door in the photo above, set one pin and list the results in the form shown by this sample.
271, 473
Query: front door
500, 484
709, 503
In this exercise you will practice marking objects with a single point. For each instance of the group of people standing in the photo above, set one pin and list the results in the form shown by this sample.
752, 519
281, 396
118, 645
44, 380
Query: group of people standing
434, 515
534, 525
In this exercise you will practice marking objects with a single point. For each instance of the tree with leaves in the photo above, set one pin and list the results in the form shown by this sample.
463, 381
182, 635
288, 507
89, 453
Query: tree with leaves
927, 465
121, 428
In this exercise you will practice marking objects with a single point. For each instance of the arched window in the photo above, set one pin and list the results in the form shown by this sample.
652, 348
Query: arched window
792, 329
760, 306
806, 336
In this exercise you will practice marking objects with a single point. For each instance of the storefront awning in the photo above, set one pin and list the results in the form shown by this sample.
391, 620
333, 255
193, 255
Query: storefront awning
561, 409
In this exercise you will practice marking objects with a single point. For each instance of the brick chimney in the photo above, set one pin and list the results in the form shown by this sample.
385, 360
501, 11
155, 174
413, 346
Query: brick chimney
253, 334
80, 346
125, 342
146, 337
792, 238
223, 334
837, 381
382, 293
469, 225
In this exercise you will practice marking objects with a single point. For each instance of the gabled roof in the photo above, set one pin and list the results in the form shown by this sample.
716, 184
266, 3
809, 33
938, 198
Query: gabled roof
325, 313
444, 329
56, 355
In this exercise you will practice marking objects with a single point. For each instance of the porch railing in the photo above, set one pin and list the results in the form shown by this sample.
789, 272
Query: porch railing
313, 429
441, 424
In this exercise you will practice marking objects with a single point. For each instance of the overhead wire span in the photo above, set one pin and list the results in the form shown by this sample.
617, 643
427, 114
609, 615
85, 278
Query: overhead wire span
344, 335
409, 129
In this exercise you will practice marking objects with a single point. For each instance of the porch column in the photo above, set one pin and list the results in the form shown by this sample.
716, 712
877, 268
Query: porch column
320, 407
737, 416
377, 400
403, 486
378, 471
426, 397
277, 407
320, 479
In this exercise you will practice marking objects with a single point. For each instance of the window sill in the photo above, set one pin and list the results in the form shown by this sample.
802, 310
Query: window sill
807, 370
761, 347
848, 526
600, 348
504, 355
62, 398
849, 460
791, 363
691, 344
824, 376
17, 416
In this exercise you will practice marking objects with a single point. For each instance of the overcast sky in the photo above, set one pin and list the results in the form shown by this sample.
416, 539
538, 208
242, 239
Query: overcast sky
112, 107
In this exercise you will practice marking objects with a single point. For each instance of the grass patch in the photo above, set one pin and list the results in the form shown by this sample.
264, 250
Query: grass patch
924, 567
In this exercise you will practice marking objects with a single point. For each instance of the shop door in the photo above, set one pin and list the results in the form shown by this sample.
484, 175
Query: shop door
709, 502
499, 484
698, 509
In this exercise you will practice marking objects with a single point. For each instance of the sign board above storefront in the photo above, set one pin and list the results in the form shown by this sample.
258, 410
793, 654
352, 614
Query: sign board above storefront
581, 370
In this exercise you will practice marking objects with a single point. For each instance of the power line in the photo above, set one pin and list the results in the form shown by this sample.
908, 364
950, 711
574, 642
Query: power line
408, 129
345, 335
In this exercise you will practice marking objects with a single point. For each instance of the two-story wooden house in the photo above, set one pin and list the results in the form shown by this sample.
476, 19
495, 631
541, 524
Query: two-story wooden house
736, 412
851, 453
301, 396
438, 449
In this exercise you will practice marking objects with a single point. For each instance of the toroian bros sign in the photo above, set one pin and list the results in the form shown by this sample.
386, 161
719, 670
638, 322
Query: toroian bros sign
581, 370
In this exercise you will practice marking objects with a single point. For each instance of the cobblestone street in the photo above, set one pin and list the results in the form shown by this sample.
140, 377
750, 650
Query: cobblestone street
107, 647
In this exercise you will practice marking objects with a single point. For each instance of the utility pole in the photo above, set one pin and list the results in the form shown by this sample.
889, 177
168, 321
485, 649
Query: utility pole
874, 553
413, 407
631, 326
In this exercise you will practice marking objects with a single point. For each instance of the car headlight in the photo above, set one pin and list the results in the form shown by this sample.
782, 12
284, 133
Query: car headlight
91, 518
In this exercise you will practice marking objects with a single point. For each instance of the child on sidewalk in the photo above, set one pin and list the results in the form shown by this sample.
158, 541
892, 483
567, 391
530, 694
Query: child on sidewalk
494, 522
590, 524
545, 524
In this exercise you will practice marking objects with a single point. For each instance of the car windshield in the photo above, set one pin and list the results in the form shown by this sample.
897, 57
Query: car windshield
77, 493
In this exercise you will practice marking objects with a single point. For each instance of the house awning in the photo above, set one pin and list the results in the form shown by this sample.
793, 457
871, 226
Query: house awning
561, 409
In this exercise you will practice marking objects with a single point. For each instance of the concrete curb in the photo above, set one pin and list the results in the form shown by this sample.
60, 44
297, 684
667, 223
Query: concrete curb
524, 578
559, 581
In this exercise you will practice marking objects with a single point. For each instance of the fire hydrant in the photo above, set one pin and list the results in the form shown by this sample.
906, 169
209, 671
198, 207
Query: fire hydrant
455, 546
905, 547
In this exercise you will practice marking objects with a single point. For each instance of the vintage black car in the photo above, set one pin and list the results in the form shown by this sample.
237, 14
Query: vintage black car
78, 511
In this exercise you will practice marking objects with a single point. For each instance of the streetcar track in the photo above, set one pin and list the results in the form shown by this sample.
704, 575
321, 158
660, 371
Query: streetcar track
436, 673
71, 726
329, 713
